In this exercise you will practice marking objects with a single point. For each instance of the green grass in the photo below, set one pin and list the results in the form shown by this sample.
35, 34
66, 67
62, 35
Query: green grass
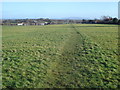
78, 55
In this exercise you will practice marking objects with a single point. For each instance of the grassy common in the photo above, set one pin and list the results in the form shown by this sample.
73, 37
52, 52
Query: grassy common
59, 56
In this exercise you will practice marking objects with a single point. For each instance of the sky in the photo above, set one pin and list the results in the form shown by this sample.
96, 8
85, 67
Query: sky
60, 0
58, 10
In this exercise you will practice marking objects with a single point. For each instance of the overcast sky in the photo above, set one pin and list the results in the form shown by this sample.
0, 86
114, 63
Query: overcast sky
58, 10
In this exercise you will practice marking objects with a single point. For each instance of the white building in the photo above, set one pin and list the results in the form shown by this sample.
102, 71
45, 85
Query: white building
42, 23
20, 24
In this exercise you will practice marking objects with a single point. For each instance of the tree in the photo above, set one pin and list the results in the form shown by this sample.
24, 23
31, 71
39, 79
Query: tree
84, 21
106, 18
90, 21
115, 21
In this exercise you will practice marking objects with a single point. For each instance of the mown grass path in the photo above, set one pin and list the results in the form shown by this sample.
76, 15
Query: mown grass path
62, 72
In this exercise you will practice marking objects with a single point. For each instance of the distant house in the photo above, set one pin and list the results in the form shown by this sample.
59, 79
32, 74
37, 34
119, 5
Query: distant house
46, 23
20, 24
42, 23
32, 23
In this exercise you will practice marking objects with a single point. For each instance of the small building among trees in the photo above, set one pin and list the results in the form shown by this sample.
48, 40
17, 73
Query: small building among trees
20, 24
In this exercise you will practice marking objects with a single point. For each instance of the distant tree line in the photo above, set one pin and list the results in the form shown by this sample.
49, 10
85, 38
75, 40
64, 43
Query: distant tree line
109, 20
25, 21
103, 20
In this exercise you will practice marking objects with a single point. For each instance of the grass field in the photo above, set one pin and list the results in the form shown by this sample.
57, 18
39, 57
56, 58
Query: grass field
71, 55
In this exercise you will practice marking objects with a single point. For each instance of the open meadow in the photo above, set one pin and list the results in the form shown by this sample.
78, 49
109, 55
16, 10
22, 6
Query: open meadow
59, 56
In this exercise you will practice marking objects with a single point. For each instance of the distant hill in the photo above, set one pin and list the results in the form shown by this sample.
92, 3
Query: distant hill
74, 18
